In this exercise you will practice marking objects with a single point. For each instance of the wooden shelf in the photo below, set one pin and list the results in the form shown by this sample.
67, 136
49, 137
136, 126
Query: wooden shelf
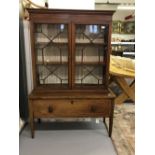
52, 63
65, 41
89, 63
52, 43
83, 41
42, 40
91, 44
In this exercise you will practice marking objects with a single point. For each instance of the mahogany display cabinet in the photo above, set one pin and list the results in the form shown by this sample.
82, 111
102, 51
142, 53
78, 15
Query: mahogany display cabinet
70, 63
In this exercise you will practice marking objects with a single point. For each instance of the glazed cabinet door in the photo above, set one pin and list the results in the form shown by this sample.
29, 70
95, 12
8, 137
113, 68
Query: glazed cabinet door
90, 48
52, 54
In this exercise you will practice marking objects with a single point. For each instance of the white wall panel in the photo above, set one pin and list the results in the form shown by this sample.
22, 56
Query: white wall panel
72, 4
28, 55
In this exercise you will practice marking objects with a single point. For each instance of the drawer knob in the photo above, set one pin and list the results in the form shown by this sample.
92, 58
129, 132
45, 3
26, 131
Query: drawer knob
50, 109
93, 109
72, 102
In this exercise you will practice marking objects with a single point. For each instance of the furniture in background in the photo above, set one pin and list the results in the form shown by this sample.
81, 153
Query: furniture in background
120, 69
123, 38
124, 49
70, 62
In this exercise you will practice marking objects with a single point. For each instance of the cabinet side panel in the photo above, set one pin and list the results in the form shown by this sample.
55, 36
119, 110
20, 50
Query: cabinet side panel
108, 54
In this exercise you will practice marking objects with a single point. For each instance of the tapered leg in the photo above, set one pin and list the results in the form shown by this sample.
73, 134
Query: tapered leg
110, 126
32, 128
103, 119
39, 120
111, 118
31, 119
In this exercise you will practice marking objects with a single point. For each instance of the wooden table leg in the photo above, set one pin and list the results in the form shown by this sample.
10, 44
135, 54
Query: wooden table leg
125, 87
123, 96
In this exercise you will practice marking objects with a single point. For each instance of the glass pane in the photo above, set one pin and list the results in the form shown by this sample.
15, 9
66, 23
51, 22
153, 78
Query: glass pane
90, 48
53, 74
51, 46
89, 53
90, 34
89, 74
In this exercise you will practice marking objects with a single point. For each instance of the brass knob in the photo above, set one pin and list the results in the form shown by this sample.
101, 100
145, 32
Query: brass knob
50, 109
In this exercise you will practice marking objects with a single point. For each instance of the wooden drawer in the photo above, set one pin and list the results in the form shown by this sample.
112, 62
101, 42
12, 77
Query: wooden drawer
71, 108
